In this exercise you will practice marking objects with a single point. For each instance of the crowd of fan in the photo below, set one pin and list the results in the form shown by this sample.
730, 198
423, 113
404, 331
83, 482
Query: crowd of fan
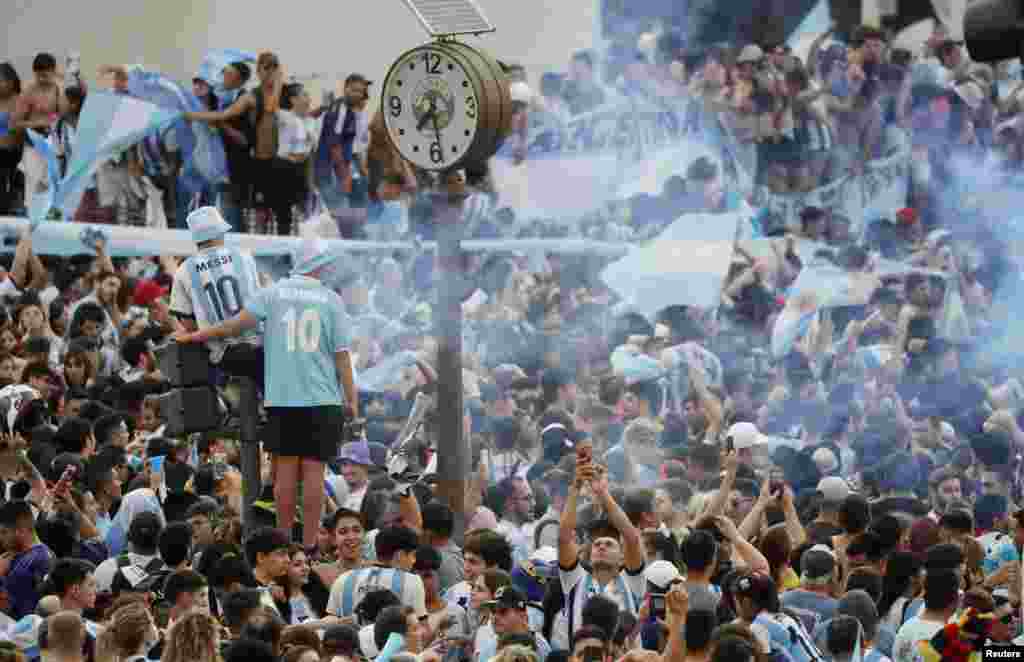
641, 489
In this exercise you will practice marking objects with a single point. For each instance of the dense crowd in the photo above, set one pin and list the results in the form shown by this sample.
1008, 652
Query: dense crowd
679, 487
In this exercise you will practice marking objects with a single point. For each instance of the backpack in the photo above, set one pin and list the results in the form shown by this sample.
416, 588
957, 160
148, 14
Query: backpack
148, 579
138, 579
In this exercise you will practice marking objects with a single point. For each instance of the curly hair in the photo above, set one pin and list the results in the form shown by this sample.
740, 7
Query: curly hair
194, 638
125, 631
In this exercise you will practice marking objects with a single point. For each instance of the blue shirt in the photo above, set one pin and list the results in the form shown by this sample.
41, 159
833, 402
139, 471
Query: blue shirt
22, 580
305, 326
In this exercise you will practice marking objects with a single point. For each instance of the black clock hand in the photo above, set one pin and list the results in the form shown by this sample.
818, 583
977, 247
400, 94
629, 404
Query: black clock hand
426, 118
430, 114
437, 133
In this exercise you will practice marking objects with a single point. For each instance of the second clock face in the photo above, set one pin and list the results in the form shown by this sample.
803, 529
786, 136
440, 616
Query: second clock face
431, 108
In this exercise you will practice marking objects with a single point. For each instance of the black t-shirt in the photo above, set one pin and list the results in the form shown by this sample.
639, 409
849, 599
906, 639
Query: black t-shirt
910, 506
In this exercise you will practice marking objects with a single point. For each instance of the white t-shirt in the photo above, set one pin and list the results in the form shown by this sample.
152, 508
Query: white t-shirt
904, 649
459, 595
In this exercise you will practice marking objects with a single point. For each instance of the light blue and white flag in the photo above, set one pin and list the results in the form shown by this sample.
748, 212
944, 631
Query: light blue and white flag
212, 67
42, 201
205, 163
109, 124
686, 264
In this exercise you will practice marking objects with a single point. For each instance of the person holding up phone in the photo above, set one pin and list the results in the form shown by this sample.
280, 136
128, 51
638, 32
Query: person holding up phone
616, 552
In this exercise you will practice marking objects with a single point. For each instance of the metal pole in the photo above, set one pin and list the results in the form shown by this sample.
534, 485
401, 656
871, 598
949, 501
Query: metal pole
252, 475
452, 450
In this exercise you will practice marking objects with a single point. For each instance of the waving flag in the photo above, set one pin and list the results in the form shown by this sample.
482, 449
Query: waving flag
42, 201
212, 67
205, 163
686, 264
109, 124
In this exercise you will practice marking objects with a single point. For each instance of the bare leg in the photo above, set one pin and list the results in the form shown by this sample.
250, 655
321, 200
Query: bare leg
313, 494
286, 479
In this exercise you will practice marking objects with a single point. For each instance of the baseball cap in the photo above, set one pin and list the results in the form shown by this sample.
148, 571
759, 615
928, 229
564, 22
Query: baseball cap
833, 489
817, 564
145, 526
506, 374
745, 435
207, 224
555, 378
357, 78
507, 597
661, 574
356, 452
147, 291
758, 587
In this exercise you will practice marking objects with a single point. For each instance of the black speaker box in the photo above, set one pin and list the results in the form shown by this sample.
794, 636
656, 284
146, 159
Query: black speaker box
184, 365
188, 410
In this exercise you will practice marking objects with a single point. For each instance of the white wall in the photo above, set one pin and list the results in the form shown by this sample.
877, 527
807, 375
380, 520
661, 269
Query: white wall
329, 37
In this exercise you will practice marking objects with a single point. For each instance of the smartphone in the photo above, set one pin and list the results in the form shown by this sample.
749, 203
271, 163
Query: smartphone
61, 488
584, 451
730, 446
658, 605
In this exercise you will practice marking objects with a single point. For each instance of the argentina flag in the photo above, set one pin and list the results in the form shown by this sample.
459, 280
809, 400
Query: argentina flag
686, 264
212, 67
42, 201
109, 124
205, 162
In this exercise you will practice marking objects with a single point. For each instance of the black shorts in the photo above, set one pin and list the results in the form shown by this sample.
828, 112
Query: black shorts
306, 432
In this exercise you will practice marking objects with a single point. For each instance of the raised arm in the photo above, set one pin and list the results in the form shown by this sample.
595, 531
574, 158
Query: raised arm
632, 543
677, 603
22, 257
568, 550
242, 105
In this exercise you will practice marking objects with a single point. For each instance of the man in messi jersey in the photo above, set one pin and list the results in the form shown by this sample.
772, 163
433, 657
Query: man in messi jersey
213, 286
308, 377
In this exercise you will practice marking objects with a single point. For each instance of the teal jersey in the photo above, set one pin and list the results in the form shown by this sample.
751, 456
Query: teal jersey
305, 325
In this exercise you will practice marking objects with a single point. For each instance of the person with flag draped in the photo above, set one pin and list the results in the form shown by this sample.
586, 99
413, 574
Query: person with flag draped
261, 107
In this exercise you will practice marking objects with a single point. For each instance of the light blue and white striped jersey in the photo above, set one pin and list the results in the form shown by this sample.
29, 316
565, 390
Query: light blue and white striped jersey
213, 286
350, 588
305, 326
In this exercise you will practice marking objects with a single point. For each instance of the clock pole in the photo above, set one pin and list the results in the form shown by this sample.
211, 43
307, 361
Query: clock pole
453, 457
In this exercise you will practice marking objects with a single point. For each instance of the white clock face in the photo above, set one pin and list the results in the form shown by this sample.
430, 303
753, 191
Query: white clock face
431, 108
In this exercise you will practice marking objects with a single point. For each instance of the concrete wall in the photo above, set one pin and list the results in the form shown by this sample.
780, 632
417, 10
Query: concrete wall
325, 38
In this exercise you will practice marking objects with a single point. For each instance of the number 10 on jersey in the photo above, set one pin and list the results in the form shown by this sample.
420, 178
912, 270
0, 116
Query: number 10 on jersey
302, 331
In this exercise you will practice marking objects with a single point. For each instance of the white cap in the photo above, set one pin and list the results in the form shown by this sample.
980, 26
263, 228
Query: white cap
206, 224
750, 53
546, 555
521, 92
661, 574
745, 435
826, 460
833, 489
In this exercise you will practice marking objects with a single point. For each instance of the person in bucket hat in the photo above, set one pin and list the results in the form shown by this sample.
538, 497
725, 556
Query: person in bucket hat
213, 286
309, 379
